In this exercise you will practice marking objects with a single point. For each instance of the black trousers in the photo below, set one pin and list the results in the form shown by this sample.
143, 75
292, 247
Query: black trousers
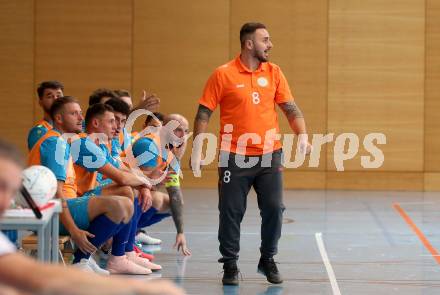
234, 185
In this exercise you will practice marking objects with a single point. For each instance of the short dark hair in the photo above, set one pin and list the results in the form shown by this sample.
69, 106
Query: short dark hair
247, 30
59, 104
122, 92
10, 152
96, 110
48, 85
158, 115
98, 94
119, 106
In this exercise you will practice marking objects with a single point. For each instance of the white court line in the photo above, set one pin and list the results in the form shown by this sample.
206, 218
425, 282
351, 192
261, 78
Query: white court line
328, 266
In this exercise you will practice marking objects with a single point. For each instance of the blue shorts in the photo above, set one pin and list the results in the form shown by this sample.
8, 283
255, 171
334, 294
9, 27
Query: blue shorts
97, 191
78, 208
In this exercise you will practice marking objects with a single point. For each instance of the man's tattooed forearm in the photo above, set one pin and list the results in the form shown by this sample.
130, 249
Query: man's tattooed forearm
291, 110
203, 113
176, 206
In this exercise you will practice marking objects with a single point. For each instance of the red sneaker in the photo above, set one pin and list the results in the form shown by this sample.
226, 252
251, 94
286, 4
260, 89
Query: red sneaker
143, 254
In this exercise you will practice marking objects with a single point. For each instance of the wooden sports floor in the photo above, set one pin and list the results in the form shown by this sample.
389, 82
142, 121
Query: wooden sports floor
333, 242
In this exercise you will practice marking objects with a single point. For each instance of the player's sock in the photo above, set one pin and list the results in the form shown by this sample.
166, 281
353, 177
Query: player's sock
102, 228
120, 240
134, 224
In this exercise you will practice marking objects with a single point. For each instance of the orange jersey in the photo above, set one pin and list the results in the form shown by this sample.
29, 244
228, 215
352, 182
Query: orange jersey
37, 131
85, 180
53, 151
89, 158
247, 102
44, 123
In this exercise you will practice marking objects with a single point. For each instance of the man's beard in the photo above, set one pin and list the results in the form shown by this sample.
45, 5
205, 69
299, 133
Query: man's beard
260, 56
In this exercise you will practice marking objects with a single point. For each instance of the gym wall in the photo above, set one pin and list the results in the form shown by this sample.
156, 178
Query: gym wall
353, 66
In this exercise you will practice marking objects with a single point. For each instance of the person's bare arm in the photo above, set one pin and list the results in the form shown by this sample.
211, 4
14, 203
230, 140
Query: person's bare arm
122, 177
26, 274
200, 125
10, 291
297, 124
145, 198
202, 119
176, 208
148, 102
295, 117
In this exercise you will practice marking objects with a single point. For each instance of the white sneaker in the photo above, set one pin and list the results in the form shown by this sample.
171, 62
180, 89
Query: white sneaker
102, 256
96, 268
151, 249
146, 239
83, 265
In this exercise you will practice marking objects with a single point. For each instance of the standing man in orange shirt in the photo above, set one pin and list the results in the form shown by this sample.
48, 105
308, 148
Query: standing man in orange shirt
247, 89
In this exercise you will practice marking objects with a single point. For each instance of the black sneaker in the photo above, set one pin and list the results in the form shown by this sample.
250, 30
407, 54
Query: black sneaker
230, 274
268, 267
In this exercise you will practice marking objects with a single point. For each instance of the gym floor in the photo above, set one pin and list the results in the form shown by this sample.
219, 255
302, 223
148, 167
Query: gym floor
333, 242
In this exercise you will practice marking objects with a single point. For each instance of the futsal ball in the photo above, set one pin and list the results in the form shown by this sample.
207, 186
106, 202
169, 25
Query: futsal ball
41, 184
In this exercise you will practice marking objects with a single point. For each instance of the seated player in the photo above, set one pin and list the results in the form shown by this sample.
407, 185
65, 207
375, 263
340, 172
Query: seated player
26, 276
148, 102
95, 156
153, 158
101, 95
48, 92
121, 111
181, 131
89, 220
120, 143
125, 96
122, 138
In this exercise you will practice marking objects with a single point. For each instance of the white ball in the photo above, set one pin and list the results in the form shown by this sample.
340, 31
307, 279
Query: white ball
40, 183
